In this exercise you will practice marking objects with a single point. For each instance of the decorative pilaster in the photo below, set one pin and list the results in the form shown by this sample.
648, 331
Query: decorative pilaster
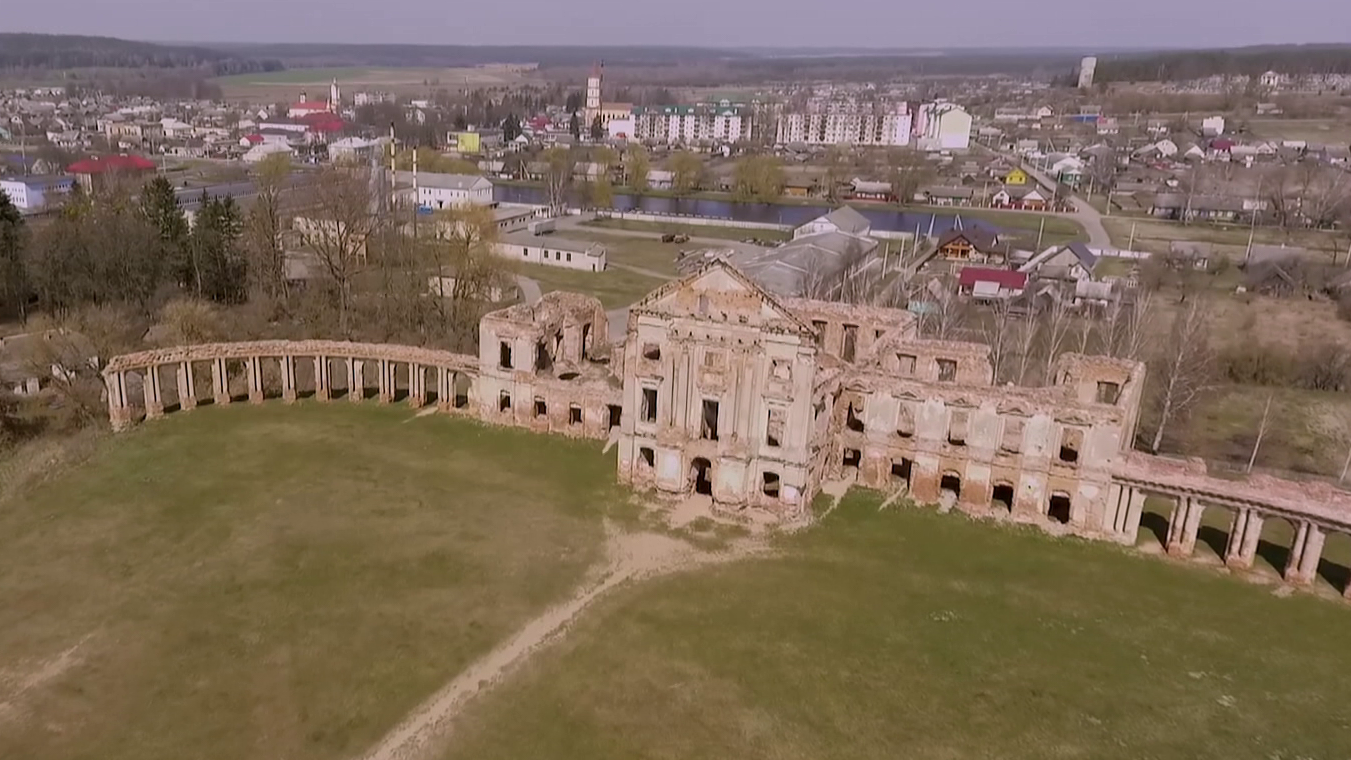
1134, 512
154, 402
356, 380
1183, 526
220, 382
254, 367
1244, 534
119, 411
417, 385
322, 382
187, 389
385, 381
288, 379
1305, 553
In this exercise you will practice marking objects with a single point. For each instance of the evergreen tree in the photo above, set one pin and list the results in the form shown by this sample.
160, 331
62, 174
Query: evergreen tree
13, 274
160, 206
221, 265
575, 126
511, 128
597, 129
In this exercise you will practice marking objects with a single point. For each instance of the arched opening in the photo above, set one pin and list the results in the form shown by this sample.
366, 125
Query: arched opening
1059, 508
461, 390
430, 384
1335, 566
1002, 497
951, 482
701, 476
852, 458
901, 470
770, 485
1274, 546
1212, 535
402, 381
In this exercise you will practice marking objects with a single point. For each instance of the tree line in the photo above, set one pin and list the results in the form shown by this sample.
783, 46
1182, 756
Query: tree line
121, 269
59, 51
1294, 60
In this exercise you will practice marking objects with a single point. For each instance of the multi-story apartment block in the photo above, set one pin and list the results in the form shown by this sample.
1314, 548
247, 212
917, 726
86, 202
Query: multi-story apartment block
691, 124
848, 122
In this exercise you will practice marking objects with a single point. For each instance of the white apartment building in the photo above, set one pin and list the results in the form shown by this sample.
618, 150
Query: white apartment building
846, 122
691, 124
942, 126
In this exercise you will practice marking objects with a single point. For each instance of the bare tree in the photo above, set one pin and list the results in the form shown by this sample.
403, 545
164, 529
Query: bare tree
558, 177
1184, 366
1139, 319
944, 312
1057, 320
340, 224
1261, 432
263, 228
999, 332
476, 276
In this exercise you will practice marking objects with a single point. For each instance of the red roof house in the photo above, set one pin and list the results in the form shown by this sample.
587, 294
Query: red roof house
100, 166
983, 282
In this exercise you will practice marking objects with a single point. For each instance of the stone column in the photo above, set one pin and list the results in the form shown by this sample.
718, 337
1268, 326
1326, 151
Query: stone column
417, 385
322, 385
356, 380
187, 389
1134, 511
220, 382
288, 379
1307, 550
254, 367
154, 403
119, 412
383, 393
1244, 534
1183, 526
443, 385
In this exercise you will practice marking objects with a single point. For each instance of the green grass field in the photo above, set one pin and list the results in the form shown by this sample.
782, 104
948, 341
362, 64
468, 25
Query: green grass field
693, 230
908, 634
642, 252
615, 287
280, 582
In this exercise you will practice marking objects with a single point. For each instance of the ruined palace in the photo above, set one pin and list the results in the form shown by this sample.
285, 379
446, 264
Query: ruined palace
721, 389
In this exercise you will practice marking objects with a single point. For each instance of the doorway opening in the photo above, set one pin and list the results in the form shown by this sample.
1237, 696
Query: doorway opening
1059, 509
701, 475
1002, 497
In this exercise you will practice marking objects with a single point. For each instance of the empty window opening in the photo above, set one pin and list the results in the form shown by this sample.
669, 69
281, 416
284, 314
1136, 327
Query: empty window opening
1108, 393
1059, 508
952, 483
850, 343
1012, 439
905, 422
647, 456
542, 359
586, 333
958, 422
708, 430
1071, 441
852, 419
905, 364
947, 370
900, 471
541, 408
770, 486
504, 402
652, 351
504, 355
1002, 497
701, 473
649, 405
820, 328
574, 415
853, 458
616, 414
774, 427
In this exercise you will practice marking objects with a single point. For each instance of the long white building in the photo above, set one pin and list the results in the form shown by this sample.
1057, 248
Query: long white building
846, 122
691, 124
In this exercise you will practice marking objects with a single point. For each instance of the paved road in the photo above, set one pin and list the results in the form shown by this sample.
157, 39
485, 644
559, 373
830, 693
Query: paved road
530, 292
1084, 214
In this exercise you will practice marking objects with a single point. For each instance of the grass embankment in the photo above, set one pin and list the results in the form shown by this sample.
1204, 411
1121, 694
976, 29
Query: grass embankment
615, 287
1157, 235
693, 230
277, 581
911, 634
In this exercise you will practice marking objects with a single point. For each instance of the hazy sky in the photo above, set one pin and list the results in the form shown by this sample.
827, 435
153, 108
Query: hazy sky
870, 23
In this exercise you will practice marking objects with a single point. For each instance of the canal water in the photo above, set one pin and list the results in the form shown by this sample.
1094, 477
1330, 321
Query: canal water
889, 220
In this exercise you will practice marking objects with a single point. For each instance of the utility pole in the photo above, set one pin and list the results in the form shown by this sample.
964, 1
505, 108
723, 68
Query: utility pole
1041, 231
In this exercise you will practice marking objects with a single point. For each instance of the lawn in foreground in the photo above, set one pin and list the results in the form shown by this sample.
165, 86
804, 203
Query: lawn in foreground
278, 581
908, 634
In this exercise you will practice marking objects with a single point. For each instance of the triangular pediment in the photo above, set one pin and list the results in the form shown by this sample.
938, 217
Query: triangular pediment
719, 292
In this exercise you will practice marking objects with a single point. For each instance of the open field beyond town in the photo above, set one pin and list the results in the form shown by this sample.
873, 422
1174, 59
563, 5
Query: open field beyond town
1315, 131
277, 581
1156, 235
404, 80
913, 634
